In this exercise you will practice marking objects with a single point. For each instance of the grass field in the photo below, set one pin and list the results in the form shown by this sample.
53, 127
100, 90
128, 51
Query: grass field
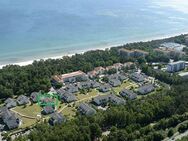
126, 84
29, 110
26, 122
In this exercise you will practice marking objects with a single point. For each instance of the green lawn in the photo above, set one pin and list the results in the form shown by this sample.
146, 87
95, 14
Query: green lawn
26, 122
29, 110
126, 84
69, 112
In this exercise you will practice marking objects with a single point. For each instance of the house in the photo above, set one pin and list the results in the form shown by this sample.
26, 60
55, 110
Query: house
146, 89
101, 100
68, 97
96, 71
104, 88
22, 100
114, 82
9, 118
128, 93
85, 109
110, 98
56, 119
172, 45
47, 110
34, 96
10, 103
71, 88
137, 77
84, 85
116, 100
118, 66
95, 84
70, 77
119, 76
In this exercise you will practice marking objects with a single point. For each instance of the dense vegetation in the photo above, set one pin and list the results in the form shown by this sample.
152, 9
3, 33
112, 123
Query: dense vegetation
16, 80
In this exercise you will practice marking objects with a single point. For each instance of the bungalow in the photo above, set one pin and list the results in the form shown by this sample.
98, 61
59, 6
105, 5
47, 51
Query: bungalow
137, 77
56, 118
128, 93
22, 100
10, 103
34, 96
9, 118
104, 88
71, 88
47, 110
68, 97
85, 109
114, 82
70, 77
146, 89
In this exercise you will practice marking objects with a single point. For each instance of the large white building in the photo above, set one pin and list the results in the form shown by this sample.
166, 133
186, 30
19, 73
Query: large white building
176, 66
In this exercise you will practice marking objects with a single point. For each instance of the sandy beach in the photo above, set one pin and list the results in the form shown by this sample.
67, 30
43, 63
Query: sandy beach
25, 63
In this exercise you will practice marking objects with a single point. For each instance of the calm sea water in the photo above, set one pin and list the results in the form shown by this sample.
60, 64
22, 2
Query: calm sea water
31, 29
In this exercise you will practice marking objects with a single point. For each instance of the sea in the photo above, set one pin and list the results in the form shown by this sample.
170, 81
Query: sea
37, 29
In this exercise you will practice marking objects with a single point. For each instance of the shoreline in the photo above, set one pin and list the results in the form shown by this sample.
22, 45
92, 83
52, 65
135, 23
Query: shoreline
25, 63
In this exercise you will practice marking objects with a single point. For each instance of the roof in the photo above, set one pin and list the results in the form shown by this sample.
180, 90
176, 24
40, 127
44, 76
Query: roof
183, 74
128, 93
22, 99
34, 96
67, 75
116, 100
47, 110
137, 77
9, 118
115, 82
177, 62
68, 97
104, 87
10, 103
56, 118
146, 89
86, 109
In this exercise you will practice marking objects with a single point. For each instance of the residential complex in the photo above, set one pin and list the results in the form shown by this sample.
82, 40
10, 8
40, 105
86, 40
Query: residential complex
176, 66
132, 53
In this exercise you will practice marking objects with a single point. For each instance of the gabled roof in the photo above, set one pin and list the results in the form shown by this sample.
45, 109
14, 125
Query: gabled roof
10, 103
34, 96
22, 99
56, 118
47, 110
114, 82
86, 109
104, 88
128, 93
71, 88
137, 77
146, 89
68, 97
9, 118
